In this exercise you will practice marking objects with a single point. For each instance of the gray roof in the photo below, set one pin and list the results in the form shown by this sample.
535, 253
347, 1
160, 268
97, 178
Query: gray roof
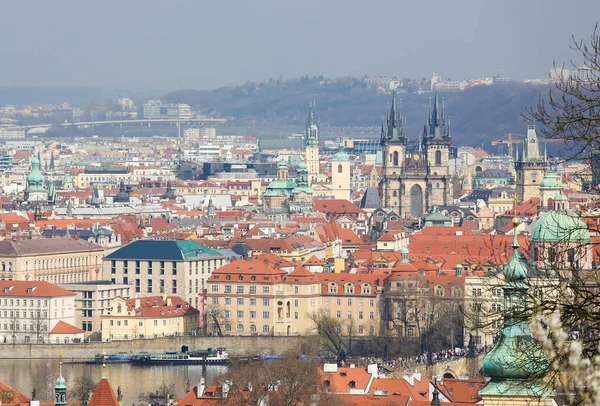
17, 248
371, 199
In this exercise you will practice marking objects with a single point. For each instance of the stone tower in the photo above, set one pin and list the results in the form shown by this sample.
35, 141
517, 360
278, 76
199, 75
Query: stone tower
415, 180
393, 141
340, 174
530, 167
312, 145
436, 139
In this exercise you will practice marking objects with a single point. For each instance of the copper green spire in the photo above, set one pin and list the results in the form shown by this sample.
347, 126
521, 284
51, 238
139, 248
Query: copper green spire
516, 364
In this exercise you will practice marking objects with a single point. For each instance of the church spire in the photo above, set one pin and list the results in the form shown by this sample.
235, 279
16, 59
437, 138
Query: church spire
516, 364
60, 389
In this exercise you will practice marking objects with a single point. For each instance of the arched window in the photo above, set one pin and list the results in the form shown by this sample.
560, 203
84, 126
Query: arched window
340, 168
395, 194
395, 158
438, 157
240, 328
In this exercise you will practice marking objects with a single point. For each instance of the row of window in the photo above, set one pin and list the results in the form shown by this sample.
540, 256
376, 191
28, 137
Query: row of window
338, 315
17, 302
239, 289
17, 314
338, 302
17, 327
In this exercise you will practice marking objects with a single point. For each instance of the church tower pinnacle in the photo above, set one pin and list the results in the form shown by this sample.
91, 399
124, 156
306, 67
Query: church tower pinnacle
530, 167
312, 144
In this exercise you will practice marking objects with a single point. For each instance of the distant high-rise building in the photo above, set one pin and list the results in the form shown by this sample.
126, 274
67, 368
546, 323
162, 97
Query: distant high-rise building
155, 110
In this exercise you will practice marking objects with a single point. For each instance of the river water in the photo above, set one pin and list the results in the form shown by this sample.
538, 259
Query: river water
24, 375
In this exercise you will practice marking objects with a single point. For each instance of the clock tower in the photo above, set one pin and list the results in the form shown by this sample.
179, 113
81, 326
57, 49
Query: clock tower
531, 167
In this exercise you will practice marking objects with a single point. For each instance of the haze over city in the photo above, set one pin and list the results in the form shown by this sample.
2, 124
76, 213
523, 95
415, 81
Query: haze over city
202, 45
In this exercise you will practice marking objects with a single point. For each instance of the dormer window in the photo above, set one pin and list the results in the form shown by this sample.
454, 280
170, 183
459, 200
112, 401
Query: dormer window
349, 288
352, 384
241, 277
228, 277
333, 288
253, 278
7, 289
327, 382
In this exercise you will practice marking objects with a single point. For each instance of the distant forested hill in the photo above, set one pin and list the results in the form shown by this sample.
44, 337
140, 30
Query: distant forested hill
479, 114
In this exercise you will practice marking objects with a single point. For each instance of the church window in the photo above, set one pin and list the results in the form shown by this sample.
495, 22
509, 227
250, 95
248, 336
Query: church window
438, 157
340, 168
395, 158
395, 193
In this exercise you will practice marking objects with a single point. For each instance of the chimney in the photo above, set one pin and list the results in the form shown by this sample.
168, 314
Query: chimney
169, 301
200, 388
137, 303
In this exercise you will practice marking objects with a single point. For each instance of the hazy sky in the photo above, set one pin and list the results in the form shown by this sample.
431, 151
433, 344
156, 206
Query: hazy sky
209, 43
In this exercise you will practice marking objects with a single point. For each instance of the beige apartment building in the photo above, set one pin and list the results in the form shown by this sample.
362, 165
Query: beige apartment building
56, 260
255, 296
93, 300
172, 267
148, 317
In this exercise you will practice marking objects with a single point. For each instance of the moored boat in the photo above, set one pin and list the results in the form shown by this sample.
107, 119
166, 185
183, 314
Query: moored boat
209, 356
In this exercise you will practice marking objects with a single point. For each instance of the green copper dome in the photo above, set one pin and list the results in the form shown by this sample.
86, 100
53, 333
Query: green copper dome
282, 165
341, 155
61, 383
550, 181
280, 187
35, 179
301, 166
516, 355
560, 226
516, 364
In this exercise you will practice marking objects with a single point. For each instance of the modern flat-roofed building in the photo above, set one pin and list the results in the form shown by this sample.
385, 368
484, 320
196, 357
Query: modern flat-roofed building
156, 110
56, 260
92, 301
30, 311
173, 267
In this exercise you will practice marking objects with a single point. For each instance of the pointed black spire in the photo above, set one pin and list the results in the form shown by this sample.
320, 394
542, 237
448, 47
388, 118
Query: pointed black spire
52, 161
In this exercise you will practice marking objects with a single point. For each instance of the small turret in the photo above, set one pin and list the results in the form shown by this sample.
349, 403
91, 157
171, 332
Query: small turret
60, 389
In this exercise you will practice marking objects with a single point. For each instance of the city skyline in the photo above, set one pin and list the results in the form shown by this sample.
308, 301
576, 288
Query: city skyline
203, 46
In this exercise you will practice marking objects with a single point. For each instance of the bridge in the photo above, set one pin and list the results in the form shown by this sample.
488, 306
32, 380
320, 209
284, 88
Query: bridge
141, 122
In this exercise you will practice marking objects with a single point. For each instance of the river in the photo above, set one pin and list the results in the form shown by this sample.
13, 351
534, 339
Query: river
24, 375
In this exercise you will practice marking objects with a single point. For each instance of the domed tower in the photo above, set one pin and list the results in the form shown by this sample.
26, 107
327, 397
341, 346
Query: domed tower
35, 190
516, 364
340, 174
60, 390
549, 186
560, 239
302, 195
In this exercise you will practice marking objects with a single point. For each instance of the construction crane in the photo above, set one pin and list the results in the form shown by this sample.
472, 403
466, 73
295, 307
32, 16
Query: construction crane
510, 141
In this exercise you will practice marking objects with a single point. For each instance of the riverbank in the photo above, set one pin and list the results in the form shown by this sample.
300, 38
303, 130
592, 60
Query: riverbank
236, 346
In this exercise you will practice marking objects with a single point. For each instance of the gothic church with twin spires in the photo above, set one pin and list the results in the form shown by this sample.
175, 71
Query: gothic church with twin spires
418, 179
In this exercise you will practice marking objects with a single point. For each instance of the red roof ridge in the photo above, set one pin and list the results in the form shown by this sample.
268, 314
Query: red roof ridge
104, 395
63, 327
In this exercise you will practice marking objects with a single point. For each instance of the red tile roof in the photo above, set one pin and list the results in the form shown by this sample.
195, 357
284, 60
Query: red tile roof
159, 307
301, 275
10, 288
65, 328
104, 395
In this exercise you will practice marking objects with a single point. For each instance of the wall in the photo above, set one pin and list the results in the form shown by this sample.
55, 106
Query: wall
237, 346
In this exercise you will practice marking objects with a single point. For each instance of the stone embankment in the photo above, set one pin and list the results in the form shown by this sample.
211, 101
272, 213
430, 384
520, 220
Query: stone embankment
236, 346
